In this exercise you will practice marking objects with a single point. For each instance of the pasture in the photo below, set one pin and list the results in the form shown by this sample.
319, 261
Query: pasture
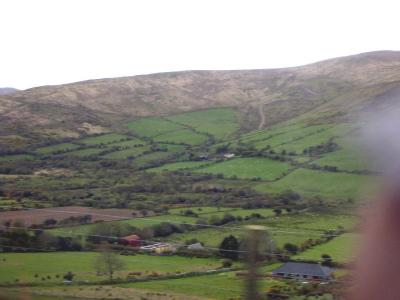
127, 153
104, 139
85, 152
182, 136
310, 183
215, 286
63, 147
182, 165
218, 122
152, 127
340, 249
24, 266
248, 168
16, 157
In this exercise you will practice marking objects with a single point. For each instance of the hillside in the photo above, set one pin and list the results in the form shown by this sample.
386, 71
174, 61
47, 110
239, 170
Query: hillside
7, 90
330, 90
186, 158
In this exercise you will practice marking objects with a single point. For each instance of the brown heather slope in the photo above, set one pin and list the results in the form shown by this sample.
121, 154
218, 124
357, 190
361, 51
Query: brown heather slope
330, 90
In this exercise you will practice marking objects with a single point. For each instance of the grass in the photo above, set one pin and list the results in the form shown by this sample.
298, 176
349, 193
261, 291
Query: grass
247, 168
86, 152
136, 222
317, 183
290, 135
340, 249
103, 139
24, 266
152, 127
16, 157
216, 286
199, 209
127, 153
183, 165
57, 148
127, 144
183, 136
219, 122
344, 159
320, 136
150, 158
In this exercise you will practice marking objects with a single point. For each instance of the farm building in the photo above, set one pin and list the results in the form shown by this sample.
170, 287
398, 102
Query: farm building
159, 248
303, 271
196, 246
131, 240
229, 155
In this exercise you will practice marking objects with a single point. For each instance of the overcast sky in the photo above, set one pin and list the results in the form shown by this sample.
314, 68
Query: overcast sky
59, 41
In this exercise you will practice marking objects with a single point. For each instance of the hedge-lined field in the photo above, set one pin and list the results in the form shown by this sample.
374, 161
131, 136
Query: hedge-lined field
248, 168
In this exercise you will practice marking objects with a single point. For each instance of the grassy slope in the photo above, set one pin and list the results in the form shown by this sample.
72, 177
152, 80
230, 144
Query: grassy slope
312, 182
220, 122
24, 266
339, 249
249, 167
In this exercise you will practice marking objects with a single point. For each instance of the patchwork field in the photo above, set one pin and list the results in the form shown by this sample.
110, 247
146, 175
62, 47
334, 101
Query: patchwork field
184, 165
57, 148
220, 122
104, 139
248, 168
24, 266
329, 185
217, 286
340, 249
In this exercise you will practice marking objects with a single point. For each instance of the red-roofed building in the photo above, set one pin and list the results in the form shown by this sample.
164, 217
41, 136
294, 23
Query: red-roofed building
131, 240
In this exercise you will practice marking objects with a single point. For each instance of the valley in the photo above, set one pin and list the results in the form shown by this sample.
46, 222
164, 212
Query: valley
184, 159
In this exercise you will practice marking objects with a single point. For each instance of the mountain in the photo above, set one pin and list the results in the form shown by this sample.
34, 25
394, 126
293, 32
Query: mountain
327, 91
7, 90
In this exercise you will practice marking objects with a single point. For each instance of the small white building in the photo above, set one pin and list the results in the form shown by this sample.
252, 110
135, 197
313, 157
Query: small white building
196, 246
229, 155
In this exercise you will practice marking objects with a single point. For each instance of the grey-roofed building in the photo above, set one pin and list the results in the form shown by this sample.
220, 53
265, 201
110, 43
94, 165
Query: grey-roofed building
303, 271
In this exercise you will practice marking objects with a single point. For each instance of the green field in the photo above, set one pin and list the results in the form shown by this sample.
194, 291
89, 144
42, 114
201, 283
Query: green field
199, 209
128, 144
24, 266
344, 159
103, 139
85, 152
150, 158
219, 122
248, 168
127, 153
340, 249
16, 157
182, 136
183, 165
216, 286
151, 127
136, 222
57, 148
312, 182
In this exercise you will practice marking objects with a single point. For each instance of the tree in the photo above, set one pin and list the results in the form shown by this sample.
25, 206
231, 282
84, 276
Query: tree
108, 262
291, 248
229, 248
277, 211
69, 276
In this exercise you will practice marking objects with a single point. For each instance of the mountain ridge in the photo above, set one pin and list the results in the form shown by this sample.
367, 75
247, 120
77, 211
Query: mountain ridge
333, 88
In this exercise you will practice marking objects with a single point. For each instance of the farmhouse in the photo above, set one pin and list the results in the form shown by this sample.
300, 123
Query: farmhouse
229, 155
159, 248
131, 240
303, 271
196, 246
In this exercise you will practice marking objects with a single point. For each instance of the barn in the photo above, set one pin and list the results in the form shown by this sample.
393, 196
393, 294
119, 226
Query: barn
302, 271
131, 240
